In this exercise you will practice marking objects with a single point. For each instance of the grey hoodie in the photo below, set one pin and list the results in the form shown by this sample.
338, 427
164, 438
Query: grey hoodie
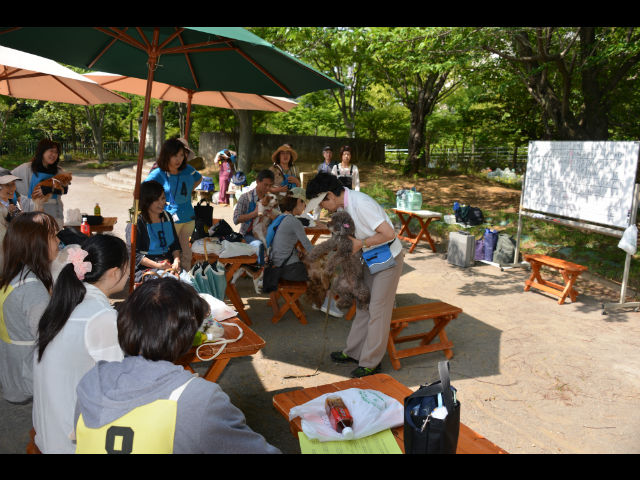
206, 420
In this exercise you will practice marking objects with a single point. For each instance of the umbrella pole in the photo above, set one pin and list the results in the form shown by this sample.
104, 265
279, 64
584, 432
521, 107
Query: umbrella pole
188, 119
136, 193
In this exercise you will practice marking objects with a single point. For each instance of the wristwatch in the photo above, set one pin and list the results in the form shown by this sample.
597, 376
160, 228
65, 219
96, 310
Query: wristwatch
364, 243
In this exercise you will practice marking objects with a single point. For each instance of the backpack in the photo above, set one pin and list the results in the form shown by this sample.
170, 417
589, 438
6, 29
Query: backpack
273, 227
505, 250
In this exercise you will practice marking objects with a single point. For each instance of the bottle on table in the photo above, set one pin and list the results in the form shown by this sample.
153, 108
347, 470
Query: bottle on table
339, 416
96, 210
85, 228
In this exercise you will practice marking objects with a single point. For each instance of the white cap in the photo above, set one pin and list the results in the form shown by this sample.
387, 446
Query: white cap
347, 433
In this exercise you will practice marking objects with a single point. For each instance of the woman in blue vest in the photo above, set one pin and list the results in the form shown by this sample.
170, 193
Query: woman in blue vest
43, 166
157, 243
179, 180
283, 235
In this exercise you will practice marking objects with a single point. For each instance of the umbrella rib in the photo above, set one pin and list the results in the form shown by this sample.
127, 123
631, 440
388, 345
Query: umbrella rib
226, 100
55, 77
273, 103
264, 72
193, 74
104, 50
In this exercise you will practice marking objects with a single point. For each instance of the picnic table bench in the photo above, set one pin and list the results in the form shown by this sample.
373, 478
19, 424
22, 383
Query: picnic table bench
249, 344
441, 313
569, 271
424, 217
231, 264
468, 440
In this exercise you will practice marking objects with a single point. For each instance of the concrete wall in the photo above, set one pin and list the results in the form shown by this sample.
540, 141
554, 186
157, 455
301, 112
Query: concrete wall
309, 148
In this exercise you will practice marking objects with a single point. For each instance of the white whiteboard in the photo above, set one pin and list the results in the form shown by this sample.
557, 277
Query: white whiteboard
590, 181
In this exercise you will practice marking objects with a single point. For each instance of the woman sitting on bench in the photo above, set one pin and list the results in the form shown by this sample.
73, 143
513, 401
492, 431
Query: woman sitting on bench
283, 251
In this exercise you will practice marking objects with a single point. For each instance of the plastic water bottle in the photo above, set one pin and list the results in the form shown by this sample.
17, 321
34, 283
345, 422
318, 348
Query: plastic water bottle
85, 228
339, 416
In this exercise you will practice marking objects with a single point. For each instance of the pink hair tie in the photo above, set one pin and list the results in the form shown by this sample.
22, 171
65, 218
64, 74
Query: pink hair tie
76, 256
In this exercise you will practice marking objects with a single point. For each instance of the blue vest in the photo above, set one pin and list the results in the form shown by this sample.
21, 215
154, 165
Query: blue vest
160, 237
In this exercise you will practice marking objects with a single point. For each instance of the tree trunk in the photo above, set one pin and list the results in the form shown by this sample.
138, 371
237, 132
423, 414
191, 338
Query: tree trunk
245, 140
95, 118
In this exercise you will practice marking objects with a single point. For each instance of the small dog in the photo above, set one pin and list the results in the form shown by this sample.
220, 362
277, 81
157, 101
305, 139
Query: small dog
333, 268
266, 207
58, 184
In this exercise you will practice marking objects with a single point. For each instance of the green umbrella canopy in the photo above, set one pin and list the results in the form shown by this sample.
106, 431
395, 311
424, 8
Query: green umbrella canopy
201, 59
198, 58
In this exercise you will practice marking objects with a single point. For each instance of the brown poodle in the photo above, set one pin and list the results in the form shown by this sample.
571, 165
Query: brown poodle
332, 267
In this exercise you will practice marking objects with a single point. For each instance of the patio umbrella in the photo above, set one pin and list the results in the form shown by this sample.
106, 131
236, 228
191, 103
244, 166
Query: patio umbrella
163, 91
190, 57
23, 75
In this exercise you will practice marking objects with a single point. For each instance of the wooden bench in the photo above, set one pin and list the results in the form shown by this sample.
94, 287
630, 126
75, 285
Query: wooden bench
291, 293
569, 271
469, 442
441, 313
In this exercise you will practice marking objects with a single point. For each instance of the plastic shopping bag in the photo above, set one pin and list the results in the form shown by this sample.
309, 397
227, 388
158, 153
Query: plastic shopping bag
629, 240
372, 412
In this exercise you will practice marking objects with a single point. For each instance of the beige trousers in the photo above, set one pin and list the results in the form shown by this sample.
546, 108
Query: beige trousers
184, 231
367, 339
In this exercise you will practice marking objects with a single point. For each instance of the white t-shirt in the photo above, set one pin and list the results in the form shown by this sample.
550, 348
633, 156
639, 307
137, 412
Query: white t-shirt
89, 335
367, 215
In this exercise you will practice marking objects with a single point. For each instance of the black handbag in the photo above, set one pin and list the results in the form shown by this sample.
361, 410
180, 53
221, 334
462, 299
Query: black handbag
203, 219
424, 431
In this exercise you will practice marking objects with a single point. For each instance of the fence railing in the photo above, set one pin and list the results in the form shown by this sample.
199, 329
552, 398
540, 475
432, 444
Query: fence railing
447, 157
79, 148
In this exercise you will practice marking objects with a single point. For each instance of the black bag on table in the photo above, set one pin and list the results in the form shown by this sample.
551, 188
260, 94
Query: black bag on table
423, 433
203, 220
222, 229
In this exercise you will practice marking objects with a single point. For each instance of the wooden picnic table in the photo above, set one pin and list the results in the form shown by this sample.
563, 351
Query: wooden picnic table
232, 264
468, 440
249, 344
106, 225
424, 217
316, 231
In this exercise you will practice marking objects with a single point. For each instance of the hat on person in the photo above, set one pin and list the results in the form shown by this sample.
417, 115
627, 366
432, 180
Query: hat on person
284, 148
313, 203
206, 185
328, 147
190, 153
7, 177
298, 192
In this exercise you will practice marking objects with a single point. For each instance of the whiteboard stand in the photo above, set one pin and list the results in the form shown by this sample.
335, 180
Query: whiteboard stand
608, 307
515, 263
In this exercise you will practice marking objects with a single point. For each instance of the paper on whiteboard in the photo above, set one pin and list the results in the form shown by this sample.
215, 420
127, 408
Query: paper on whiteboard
590, 181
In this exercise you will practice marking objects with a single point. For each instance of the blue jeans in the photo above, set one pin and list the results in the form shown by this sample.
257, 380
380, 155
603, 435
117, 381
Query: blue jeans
254, 242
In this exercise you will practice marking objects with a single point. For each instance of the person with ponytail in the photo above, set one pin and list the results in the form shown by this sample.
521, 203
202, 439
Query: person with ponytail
29, 247
77, 329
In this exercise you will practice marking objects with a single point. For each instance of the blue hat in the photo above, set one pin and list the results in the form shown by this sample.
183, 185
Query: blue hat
206, 185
